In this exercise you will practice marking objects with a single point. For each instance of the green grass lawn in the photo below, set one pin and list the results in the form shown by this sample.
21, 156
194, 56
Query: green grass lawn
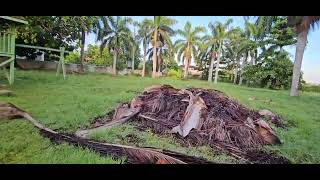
66, 105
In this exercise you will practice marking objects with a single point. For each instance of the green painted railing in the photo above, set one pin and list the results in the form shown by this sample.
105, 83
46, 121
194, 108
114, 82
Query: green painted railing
7, 44
7, 49
61, 61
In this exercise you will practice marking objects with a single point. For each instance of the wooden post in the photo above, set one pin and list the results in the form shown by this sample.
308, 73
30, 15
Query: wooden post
12, 50
59, 67
61, 63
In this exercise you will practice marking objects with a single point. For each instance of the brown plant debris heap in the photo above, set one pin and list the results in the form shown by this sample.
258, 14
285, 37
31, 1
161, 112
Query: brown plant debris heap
200, 116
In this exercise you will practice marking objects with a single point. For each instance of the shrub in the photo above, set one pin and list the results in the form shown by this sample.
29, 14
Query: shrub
73, 57
175, 73
311, 88
274, 73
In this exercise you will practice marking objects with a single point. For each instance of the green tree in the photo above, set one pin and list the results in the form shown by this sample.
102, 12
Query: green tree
302, 25
45, 31
201, 57
222, 32
115, 33
144, 36
213, 42
187, 45
281, 34
275, 72
160, 35
81, 25
73, 57
93, 56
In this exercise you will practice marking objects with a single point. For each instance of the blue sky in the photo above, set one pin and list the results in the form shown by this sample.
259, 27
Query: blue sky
311, 60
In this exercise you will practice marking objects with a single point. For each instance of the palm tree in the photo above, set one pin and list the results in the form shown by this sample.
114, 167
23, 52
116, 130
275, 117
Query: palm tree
186, 46
236, 52
212, 40
202, 54
160, 35
302, 25
114, 33
84, 24
222, 33
134, 43
144, 35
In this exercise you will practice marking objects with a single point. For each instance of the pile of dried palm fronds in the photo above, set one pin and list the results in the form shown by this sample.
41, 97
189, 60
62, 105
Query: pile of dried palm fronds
198, 117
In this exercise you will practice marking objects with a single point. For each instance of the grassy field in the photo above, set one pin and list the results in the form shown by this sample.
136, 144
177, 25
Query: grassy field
66, 105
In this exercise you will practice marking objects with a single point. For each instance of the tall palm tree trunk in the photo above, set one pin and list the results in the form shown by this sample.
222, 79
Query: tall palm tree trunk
244, 63
217, 66
235, 74
114, 62
154, 63
211, 69
236, 67
185, 74
301, 44
159, 62
154, 56
144, 62
83, 39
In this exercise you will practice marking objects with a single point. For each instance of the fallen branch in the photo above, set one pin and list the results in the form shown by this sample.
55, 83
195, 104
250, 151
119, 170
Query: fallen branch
133, 155
84, 133
148, 118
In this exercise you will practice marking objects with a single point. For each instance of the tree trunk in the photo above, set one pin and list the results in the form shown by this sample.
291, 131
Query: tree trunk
133, 48
83, 39
235, 75
241, 69
159, 62
240, 79
154, 56
133, 58
114, 62
144, 63
154, 63
211, 69
301, 44
253, 60
237, 64
217, 66
186, 67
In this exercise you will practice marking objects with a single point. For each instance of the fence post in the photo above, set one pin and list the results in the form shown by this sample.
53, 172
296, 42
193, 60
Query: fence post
62, 62
12, 51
